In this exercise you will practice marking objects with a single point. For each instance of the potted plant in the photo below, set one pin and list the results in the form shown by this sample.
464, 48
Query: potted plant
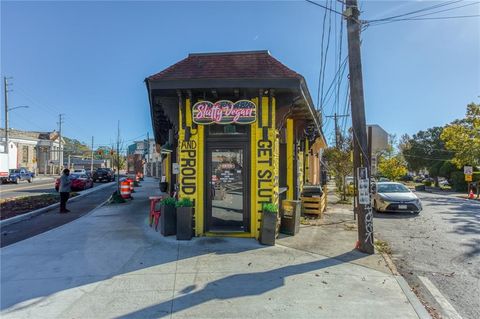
163, 187
168, 217
184, 219
268, 229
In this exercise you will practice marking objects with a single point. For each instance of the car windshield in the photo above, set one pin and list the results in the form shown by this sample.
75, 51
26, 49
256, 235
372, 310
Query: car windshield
14, 171
73, 176
392, 188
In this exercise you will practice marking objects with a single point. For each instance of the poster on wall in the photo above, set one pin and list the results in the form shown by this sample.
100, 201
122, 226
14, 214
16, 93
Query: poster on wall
224, 112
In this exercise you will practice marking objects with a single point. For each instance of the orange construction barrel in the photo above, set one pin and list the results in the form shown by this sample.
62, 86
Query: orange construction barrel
130, 181
125, 189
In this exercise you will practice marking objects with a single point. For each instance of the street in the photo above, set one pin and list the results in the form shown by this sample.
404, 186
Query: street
37, 187
442, 244
23, 188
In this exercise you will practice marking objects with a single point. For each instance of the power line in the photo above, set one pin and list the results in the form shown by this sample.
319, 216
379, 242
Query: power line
326, 51
432, 18
319, 93
325, 7
413, 12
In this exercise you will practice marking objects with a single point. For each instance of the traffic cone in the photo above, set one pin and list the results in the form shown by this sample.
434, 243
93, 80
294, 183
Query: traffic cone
471, 195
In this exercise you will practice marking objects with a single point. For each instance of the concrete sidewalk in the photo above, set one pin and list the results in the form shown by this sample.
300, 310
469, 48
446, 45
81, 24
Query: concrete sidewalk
110, 264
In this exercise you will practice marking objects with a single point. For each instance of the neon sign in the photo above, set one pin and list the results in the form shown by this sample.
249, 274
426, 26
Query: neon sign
224, 112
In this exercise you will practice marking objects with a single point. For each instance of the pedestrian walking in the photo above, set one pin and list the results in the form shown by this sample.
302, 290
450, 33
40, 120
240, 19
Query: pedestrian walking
64, 190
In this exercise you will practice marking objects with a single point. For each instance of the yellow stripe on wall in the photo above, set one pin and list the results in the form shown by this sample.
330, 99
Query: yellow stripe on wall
290, 181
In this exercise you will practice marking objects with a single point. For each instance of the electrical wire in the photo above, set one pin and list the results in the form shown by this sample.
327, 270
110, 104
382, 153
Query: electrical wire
432, 18
326, 54
416, 11
319, 95
325, 7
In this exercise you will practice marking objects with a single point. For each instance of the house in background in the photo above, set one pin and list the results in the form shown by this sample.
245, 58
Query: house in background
143, 157
37, 151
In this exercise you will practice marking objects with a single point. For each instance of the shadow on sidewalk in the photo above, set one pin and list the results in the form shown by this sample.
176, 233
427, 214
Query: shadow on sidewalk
241, 285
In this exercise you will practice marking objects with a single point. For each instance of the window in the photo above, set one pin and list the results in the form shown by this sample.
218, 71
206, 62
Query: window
25, 154
228, 129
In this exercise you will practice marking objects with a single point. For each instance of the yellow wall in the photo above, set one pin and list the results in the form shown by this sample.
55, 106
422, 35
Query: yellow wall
264, 165
190, 158
290, 168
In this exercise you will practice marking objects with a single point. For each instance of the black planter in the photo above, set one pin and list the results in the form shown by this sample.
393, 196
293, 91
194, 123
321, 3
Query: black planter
291, 211
268, 229
163, 187
184, 223
168, 221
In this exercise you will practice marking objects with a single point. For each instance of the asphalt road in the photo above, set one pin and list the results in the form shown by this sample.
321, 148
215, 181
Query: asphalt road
441, 244
23, 188
51, 219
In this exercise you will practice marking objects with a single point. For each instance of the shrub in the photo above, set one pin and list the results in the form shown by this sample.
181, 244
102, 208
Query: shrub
270, 208
169, 201
427, 183
184, 202
458, 181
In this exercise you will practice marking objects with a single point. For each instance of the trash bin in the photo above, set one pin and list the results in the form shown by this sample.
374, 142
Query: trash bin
312, 191
290, 223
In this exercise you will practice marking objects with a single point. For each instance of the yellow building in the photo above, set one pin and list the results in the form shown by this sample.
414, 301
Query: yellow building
241, 130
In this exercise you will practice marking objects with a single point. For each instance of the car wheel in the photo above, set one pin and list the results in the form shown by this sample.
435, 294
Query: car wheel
29, 180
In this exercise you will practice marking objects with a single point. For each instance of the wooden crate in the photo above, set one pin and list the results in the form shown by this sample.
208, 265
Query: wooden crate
314, 205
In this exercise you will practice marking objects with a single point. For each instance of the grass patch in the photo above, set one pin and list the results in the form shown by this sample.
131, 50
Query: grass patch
382, 246
20, 205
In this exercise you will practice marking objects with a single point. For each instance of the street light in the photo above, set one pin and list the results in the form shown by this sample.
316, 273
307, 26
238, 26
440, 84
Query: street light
18, 107
6, 122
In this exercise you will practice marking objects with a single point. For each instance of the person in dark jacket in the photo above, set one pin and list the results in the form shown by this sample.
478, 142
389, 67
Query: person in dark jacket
64, 190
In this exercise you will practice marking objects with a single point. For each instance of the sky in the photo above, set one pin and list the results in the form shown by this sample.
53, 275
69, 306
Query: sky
88, 60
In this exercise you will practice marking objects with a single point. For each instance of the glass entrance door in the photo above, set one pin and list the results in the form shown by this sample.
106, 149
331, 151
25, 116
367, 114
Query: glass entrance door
226, 192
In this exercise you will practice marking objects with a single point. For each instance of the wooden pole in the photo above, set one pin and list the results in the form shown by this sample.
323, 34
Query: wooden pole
365, 216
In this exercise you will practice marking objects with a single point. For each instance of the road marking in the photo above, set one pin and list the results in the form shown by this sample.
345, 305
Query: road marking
442, 301
26, 187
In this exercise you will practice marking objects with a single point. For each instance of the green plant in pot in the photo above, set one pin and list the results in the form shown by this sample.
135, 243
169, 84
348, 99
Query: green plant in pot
268, 228
184, 219
168, 216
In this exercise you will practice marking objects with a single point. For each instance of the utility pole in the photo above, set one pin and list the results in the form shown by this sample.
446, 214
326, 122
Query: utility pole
91, 165
147, 162
60, 150
5, 92
118, 157
365, 216
337, 133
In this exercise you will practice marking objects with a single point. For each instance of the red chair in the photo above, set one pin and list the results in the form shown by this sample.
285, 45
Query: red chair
154, 216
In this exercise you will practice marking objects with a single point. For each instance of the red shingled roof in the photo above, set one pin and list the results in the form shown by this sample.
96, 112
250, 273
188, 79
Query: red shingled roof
228, 65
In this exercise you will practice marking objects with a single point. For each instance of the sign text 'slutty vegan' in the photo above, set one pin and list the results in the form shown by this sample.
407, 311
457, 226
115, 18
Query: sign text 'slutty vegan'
224, 112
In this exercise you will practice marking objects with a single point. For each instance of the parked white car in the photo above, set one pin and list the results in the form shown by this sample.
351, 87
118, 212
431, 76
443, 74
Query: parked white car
79, 171
395, 197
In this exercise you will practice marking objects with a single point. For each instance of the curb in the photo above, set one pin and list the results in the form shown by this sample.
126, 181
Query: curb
417, 305
19, 218
422, 313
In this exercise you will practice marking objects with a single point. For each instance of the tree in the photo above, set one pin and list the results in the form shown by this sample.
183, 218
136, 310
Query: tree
462, 137
392, 168
74, 147
426, 150
339, 162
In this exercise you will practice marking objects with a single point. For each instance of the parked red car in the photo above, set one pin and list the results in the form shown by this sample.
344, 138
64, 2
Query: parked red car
79, 182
